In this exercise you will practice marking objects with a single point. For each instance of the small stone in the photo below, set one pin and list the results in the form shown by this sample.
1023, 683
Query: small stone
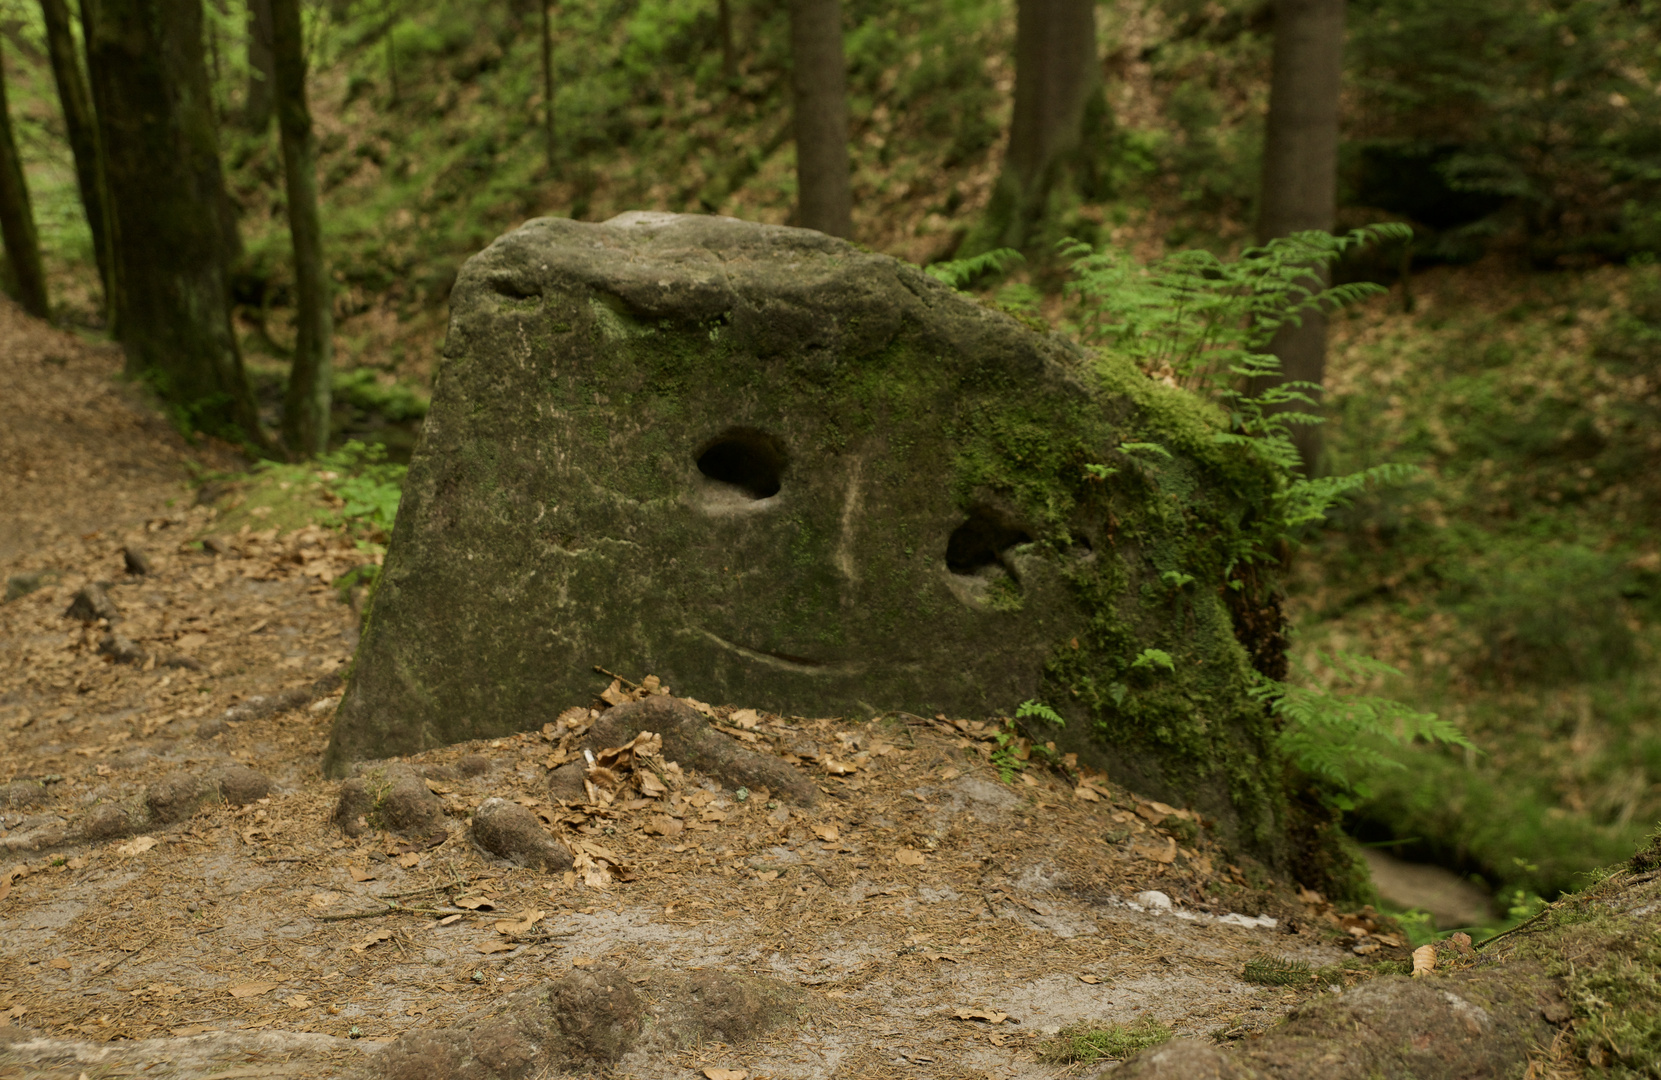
240, 785
216, 545
106, 822
510, 831
1153, 900
212, 727
137, 561
473, 765
741, 794
391, 797
566, 782
177, 797
121, 649
90, 604
22, 793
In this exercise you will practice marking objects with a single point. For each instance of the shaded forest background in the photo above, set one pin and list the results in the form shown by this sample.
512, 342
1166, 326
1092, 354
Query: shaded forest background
1516, 357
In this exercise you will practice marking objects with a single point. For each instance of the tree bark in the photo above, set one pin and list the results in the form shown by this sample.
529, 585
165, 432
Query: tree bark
729, 48
262, 67
306, 401
1300, 171
82, 128
173, 239
1056, 72
824, 194
548, 83
27, 278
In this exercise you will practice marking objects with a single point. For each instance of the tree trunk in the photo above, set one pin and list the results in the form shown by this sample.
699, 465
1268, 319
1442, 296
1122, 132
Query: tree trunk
1300, 171
82, 128
1056, 73
262, 67
548, 84
27, 279
729, 49
824, 196
167, 202
306, 401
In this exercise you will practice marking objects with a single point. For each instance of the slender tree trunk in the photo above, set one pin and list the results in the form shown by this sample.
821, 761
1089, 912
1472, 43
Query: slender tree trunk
262, 67
173, 243
306, 402
548, 83
1300, 170
1056, 73
824, 195
17, 221
729, 49
82, 128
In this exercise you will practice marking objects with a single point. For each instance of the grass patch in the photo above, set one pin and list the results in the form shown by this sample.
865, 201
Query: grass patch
1085, 1043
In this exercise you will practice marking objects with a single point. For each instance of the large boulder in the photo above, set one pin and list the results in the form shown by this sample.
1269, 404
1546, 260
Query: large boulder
775, 469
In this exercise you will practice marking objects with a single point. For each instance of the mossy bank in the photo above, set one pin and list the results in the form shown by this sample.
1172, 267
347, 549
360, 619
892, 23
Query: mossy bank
771, 467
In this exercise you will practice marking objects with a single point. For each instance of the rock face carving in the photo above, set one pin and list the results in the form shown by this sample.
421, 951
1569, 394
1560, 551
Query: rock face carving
778, 470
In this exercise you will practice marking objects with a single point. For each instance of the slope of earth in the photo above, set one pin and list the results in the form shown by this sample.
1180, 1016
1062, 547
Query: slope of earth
176, 892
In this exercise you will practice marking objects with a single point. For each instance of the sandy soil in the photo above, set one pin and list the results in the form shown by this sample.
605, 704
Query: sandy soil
258, 940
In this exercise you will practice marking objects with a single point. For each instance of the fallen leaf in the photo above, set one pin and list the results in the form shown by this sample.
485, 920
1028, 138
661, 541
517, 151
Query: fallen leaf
662, 825
950, 774
449, 920
360, 874
437, 788
998, 1038
940, 956
495, 946
712, 816
909, 857
839, 768
981, 1014
138, 845
254, 989
476, 903
583, 961
61, 964
297, 1001
827, 833
744, 718
1424, 960
725, 1074
372, 939
1087, 794
1166, 854
525, 920
767, 875
1091, 979
410, 861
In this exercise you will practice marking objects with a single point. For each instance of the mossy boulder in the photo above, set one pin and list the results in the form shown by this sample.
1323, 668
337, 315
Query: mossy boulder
775, 469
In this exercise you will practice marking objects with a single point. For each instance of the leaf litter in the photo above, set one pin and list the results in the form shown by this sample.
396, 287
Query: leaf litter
920, 881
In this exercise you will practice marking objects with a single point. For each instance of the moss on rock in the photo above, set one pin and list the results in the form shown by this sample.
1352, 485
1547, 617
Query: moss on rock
775, 469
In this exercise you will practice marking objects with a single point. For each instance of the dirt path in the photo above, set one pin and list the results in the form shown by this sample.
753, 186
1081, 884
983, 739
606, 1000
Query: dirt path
920, 884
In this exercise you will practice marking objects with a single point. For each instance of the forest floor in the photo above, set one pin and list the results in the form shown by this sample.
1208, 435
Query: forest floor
920, 886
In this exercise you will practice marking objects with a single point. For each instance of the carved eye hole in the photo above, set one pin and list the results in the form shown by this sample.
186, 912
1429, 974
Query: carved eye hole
750, 463
978, 547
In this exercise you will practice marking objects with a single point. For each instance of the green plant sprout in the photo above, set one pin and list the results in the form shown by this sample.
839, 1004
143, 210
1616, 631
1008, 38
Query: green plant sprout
1149, 659
1176, 579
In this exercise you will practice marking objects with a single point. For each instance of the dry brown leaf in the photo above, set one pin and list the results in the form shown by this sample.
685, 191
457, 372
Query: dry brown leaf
998, 1038
449, 920
988, 1015
476, 903
495, 946
583, 961
409, 861
662, 825
1086, 794
437, 788
725, 1074
838, 768
61, 964
1424, 960
909, 857
253, 989
828, 833
138, 845
1159, 854
1091, 979
950, 774
767, 875
297, 1001
522, 923
372, 939
744, 718
360, 874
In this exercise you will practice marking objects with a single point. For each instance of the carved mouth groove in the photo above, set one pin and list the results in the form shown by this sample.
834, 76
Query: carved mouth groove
801, 665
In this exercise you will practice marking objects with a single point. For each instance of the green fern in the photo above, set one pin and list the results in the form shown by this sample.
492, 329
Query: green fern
1033, 709
1339, 737
961, 273
1149, 659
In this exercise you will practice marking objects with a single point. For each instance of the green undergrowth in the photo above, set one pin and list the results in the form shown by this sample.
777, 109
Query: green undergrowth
1087, 1043
1517, 584
354, 488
